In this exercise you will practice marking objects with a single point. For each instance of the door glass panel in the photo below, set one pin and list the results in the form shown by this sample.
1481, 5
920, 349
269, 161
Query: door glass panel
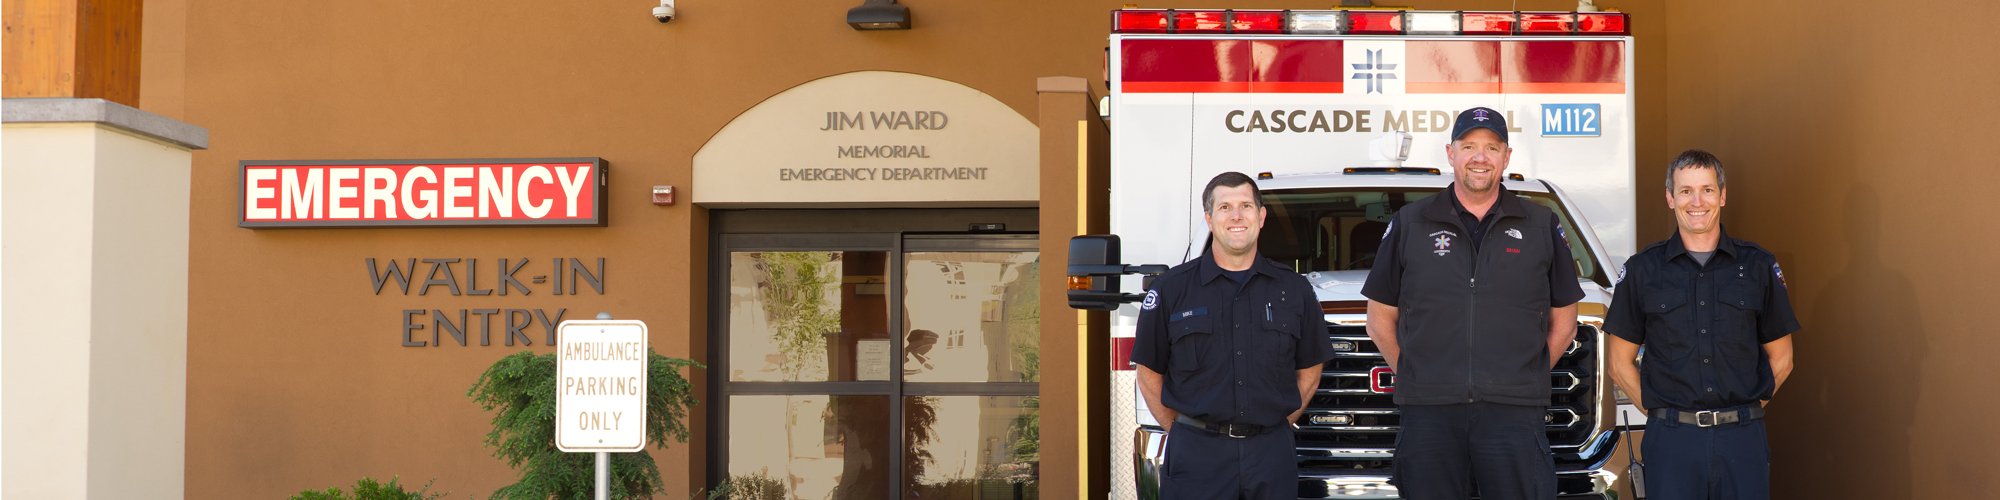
973, 447
809, 447
808, 316
973, 317
969, 321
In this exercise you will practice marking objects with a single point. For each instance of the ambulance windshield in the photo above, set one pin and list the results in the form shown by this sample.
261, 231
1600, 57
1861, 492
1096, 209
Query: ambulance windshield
1339, 229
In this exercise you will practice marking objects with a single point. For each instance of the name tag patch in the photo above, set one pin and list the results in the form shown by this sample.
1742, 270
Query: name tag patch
1199, 311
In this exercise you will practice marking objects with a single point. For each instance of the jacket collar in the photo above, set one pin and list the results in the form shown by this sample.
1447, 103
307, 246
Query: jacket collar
1447, 210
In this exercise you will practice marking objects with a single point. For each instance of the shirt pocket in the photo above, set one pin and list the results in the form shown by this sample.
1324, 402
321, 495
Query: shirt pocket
1744, 294
1668, 319
1189, 339
1277, 346
1742, 299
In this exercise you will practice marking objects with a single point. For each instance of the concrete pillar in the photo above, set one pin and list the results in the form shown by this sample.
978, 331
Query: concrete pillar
93, 299
1076, 362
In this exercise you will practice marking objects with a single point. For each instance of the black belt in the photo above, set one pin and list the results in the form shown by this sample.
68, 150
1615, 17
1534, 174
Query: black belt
1238, 431
1710, 418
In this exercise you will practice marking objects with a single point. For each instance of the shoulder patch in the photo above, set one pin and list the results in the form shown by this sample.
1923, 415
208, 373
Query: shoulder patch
1152, 300
1779, 274
1621, 276
1390, 227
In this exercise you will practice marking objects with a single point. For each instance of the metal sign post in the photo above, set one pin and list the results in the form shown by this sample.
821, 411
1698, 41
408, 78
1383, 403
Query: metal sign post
603, 475
601, 390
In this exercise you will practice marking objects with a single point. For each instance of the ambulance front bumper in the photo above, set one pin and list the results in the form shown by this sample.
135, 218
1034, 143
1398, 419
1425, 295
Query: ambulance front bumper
1150, 449
1579, 485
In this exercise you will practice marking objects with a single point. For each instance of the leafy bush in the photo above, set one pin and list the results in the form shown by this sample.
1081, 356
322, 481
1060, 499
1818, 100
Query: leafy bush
759, 486
370, 489
522, 387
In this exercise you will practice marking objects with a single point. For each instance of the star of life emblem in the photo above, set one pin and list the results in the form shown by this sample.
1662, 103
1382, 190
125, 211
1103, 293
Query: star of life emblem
1442, 240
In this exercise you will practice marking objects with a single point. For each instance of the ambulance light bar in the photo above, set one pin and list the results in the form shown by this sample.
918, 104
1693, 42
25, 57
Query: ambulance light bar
1390, 170
1366, 22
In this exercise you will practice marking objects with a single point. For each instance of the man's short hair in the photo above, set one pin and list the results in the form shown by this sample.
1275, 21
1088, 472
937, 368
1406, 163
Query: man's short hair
1229, 179
1695, 158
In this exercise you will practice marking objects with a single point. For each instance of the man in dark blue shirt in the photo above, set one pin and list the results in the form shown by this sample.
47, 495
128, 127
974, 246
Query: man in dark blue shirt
1230, 348
1471, 300
1716, 322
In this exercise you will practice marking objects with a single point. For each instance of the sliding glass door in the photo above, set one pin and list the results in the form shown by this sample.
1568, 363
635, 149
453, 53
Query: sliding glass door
877, 365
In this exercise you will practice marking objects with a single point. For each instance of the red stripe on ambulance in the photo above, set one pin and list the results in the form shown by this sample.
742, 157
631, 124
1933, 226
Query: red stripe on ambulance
1514, 67
1225, 66
1428, 66
1121, 353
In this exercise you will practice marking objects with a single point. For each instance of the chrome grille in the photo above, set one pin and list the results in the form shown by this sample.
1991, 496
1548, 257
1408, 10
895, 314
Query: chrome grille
1369, 436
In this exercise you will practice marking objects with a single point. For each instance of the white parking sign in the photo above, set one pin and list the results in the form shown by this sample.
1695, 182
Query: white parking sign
601, 385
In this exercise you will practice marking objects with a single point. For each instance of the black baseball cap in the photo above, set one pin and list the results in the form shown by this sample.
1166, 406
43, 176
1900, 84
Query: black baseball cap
1481, 117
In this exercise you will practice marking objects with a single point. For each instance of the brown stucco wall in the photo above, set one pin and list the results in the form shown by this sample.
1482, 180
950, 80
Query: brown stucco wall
296, 377
1840, 122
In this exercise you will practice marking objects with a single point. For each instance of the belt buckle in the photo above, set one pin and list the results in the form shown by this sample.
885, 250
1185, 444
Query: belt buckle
1230, 430
1705, 418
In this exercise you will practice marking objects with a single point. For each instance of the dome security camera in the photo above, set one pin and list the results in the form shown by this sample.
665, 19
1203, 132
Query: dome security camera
665, 12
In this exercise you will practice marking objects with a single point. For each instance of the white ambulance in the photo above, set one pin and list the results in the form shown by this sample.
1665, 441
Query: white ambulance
1343, 116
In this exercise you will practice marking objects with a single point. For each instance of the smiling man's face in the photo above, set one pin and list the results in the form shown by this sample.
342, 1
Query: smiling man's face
1478, 160
1235, 218
1697, 199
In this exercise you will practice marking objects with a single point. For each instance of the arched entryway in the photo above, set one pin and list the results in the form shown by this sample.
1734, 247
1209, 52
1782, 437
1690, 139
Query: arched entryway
874, 293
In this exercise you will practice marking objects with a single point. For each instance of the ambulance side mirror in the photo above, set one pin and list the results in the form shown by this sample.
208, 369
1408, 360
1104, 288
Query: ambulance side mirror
1095, 273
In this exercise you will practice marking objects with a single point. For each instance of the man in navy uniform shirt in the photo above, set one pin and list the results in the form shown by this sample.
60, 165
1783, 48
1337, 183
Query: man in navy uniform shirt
1471, 301
1716, 322
1230, 348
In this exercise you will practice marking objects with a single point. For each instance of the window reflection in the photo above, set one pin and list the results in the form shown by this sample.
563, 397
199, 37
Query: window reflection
975, 447
803, 317
973, 317
808, 316
809, 447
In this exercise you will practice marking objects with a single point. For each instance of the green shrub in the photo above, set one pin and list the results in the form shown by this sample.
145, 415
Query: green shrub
369, 489
759, 486
522, 387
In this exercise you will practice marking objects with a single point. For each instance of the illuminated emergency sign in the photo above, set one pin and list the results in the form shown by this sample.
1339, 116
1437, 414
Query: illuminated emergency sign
475, 192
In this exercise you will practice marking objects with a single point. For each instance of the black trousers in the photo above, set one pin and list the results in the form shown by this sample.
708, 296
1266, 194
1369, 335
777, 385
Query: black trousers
1444, 450
1724, 462
1205, 465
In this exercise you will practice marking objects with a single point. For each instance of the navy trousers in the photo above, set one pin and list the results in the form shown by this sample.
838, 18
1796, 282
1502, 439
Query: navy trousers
1204, 465
1724, 462
1442, 450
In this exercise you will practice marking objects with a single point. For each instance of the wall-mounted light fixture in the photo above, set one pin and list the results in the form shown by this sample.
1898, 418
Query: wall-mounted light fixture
879, 15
